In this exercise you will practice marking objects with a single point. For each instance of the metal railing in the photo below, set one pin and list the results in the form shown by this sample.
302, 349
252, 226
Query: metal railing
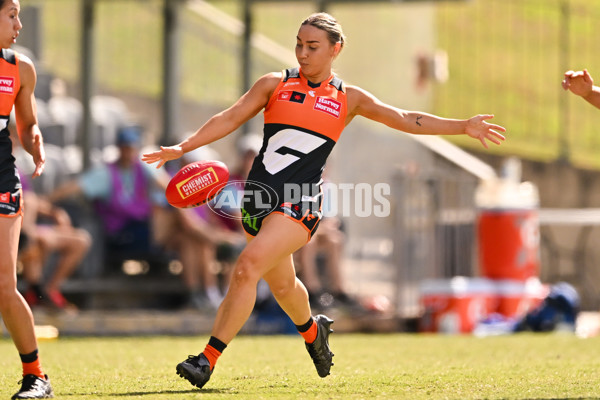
434, 231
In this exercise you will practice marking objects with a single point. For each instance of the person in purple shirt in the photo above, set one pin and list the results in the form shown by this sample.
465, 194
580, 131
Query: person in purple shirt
128, 196
122, 193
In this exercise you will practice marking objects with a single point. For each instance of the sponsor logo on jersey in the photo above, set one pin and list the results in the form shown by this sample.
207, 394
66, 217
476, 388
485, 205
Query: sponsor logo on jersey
284, 95
291, 95
291, 84
5, 198
329, 106
311, 93
7, 84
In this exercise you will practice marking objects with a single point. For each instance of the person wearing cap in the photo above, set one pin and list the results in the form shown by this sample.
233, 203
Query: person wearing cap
137, 222
123, 193
126, 195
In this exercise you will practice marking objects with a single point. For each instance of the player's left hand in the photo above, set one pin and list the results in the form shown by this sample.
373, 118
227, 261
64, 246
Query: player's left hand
478, 128
39, 156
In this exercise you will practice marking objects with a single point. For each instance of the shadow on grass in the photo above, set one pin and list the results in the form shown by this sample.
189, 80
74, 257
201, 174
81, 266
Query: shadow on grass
166, 392
152, 393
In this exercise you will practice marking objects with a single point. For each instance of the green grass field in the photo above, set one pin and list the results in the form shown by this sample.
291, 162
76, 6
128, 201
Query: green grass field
394, 366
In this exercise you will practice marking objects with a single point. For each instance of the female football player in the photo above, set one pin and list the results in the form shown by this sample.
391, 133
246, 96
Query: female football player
305, 110
17, 83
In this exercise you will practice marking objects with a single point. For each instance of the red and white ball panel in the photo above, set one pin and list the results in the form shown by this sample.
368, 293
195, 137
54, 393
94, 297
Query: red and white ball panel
197, 183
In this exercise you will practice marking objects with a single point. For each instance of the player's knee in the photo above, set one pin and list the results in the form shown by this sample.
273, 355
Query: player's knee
85, 239
81, 243
282, 288
246, 270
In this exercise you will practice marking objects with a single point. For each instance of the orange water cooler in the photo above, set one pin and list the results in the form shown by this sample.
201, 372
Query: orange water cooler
508, 243
516, 298
508, 239
508, 226
455, 305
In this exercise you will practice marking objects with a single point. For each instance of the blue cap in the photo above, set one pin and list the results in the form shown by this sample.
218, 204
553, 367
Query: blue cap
129, 136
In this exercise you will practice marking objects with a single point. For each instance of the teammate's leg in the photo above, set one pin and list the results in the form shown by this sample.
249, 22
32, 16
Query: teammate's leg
17, 314
15, 311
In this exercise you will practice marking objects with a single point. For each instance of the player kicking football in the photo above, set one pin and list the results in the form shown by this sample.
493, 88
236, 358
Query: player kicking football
305, 110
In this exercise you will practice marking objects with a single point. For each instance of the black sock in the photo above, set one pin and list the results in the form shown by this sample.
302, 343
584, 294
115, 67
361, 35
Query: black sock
306, 326
29, 358
216, 344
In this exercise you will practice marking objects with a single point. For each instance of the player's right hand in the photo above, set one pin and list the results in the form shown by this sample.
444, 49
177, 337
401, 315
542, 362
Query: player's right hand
166, 153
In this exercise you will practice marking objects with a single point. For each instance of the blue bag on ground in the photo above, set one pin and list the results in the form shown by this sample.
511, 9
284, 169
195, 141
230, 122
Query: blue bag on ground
558, 310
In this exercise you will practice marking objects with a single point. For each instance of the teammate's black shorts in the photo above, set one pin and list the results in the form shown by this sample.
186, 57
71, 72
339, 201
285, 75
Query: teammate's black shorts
11, 203
11, 196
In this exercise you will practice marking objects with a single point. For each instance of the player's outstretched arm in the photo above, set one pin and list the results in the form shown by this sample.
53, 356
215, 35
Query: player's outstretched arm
361, 102
221, 124
581, 83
